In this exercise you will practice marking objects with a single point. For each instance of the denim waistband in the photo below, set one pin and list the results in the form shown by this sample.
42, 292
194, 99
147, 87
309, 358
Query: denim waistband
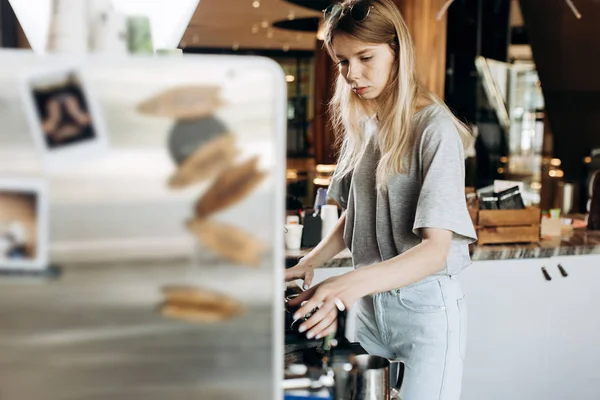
428, 279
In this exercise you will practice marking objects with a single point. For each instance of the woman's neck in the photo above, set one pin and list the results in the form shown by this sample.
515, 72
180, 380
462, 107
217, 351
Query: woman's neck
370, 108
422, 103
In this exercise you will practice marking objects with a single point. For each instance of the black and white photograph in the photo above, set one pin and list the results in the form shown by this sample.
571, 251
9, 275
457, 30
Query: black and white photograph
63, 119
63, 111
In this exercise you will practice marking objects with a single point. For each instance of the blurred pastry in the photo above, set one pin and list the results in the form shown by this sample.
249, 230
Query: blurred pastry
194, 314
196, 295
228, 241
186, 102
194, 304
230, 187
206, 162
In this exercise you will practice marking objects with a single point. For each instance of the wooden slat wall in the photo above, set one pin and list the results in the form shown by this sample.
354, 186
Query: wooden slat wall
429, 37
325, 74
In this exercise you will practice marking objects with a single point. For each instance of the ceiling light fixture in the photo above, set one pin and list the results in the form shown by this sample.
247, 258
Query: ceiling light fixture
270, 34
236, 46
254, 28
256, 4
290, 78
291, 16
286, 48
264, 24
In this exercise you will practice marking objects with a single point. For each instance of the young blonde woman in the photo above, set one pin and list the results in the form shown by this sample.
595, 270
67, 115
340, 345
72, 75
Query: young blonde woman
400, 181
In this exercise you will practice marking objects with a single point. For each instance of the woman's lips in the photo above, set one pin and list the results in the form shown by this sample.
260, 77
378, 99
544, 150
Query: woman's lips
360, 90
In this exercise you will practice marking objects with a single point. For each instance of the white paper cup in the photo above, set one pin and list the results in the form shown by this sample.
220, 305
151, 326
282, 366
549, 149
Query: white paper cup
292, 219
293, 236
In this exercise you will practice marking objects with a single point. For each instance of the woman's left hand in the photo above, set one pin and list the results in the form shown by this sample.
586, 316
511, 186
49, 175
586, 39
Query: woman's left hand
339, 292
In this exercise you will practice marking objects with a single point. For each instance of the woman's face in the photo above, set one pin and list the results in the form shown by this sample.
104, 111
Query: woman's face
366, 67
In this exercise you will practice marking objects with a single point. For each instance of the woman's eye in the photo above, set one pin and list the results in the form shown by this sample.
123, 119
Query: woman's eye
366, 58
343, 62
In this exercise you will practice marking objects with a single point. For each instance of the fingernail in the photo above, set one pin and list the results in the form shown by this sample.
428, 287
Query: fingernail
296, 316
303, 303
339, 304
302, 329
305, 287
318, 336
309, 335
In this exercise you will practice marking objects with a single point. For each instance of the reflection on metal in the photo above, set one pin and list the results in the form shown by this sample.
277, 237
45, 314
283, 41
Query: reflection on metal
94, 334
493, 92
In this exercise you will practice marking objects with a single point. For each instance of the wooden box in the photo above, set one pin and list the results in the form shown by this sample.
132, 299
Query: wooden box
508, 226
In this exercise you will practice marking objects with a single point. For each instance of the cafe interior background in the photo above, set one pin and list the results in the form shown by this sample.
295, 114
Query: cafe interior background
524, 76
518, 73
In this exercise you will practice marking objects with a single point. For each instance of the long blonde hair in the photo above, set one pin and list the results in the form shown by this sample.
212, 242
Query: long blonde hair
397, 103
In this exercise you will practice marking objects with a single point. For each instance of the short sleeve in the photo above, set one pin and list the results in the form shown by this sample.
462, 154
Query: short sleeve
442, 202
339, 189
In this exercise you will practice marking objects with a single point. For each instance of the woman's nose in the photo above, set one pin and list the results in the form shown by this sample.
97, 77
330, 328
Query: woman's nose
354, 72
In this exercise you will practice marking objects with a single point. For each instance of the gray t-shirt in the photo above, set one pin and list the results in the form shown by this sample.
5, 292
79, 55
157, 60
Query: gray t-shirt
430, 195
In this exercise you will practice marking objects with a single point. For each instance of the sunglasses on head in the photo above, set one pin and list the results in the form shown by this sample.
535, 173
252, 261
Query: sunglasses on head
358, 11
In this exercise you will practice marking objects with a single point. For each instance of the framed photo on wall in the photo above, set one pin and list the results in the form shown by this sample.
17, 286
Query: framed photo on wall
63, 115
23, 224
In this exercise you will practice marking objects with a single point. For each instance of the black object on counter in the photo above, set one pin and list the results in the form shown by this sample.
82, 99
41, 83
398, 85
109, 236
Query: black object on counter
291, 325
488, 201
311, 233
510, 199
343, 348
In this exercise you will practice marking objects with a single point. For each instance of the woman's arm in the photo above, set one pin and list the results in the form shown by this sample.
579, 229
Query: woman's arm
411, 266
426, 258
327, 248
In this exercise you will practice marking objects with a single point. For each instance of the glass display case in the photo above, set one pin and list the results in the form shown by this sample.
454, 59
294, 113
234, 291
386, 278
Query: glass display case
514, 92
300, 83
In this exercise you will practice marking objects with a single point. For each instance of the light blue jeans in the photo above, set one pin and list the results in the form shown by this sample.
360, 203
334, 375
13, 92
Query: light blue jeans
424, 325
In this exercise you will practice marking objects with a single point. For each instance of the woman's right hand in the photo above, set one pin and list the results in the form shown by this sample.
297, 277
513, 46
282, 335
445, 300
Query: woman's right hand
303, 270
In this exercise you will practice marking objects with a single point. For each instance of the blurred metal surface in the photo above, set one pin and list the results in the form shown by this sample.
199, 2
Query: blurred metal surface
94, 334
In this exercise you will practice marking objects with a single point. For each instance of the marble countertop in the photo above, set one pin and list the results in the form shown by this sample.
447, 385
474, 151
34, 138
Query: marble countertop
579, 242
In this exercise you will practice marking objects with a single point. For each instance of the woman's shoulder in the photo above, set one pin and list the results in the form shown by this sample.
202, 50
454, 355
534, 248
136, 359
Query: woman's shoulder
432, 124
433, 113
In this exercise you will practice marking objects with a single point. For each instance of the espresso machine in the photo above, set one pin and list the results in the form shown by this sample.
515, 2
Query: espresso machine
336, 369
